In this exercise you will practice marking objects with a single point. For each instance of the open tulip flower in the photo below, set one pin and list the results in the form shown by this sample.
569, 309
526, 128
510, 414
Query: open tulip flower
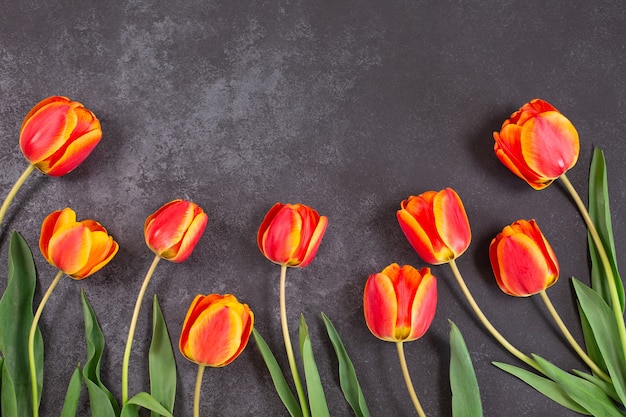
436, 225
399, 304
172, 233
57, 135
522, 260
290, 234
77, 249
537, 143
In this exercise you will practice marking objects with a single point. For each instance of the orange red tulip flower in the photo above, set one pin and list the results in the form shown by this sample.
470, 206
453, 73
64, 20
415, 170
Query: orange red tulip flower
537, 143
290, 234
436, 225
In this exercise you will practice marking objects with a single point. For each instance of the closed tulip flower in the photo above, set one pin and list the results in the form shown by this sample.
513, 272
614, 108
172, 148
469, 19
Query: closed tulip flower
77, 248
400, 302
58, 134
173, 231
537, 143
290, 234
436, 225
523, 261
215, 331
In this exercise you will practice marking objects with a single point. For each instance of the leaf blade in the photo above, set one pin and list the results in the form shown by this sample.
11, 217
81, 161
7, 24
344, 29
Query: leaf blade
162, 365
315, 390
463, 383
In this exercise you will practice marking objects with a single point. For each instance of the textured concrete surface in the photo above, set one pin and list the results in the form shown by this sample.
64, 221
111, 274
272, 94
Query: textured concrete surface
347, 106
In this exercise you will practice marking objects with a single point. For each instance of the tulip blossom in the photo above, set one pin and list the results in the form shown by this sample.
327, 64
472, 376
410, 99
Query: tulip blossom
537, 143
400, 302
523, 261
77, 248
58, 134
216, 330
173, 231
290, 234
436, 225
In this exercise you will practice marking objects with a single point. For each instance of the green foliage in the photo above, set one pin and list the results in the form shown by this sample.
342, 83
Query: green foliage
70, 405
463, 383
161, 362
315, 390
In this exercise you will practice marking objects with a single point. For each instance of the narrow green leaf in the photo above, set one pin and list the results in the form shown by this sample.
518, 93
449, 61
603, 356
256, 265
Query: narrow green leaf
606, 334
278, 378
91, 370
161, 362
545, 386
600, 214
590, 342
602, 384
70, 405
588, 395
8, 402
463, 383
99, 401
144, 400
347, 375
16, 316
315, 390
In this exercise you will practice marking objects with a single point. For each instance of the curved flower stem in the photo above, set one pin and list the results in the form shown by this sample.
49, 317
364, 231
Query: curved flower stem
18, 184
593, 232
494, 332
288, 348
570, 338
133, 326
407, 380
196, 397
31, 342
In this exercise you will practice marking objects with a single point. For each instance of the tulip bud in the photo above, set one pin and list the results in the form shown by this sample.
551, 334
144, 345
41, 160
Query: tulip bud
522, 259
58, 134
537, 143
216, 330
290, 234
79, 249
400, 302
173, 231
436, 225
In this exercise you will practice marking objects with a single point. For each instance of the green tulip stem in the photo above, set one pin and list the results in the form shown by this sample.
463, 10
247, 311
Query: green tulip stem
288, 347
31, 342
133, 326
606, 264
407, 380
570, 338
196, 397
494, 332
18, 184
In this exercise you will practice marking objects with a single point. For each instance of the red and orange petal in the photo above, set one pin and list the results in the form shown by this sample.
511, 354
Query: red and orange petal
315, 241
69, 157
191, 238
423, 307
282, 238
69, 248
451, 221
167, 226
380, 307
46, 130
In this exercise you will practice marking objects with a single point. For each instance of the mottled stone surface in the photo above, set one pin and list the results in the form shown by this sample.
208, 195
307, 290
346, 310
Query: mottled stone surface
347, 106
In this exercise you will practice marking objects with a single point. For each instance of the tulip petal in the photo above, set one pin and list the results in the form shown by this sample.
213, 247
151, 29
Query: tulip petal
315, 241
451, 221
550, 144
191, 237
420, 240
69, 248
380, 306
282, 237
423, 305
47, 230
166, 227
103, 249
70, 156
45, 131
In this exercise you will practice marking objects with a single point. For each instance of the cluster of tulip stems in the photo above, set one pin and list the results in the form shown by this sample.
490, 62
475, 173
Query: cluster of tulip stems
537, 143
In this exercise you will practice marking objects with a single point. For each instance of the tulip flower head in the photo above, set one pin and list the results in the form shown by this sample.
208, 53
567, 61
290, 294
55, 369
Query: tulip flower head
173, 231
400, 302
58, 134
290, 234
537, 143
436, 225
79, 249
216, 330
522, 260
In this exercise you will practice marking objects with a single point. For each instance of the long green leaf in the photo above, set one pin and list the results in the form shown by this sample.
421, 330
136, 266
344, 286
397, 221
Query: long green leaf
70, 405
347, 375
8, 402
16, 316
588, 395
278, 378
315, 389
91, 370
545, 386
161, 362
463, 383
144, 400
605, 386
600, 214
99, 401
606, 334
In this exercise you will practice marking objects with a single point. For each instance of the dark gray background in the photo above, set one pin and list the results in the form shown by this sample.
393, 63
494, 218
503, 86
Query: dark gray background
347, 106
